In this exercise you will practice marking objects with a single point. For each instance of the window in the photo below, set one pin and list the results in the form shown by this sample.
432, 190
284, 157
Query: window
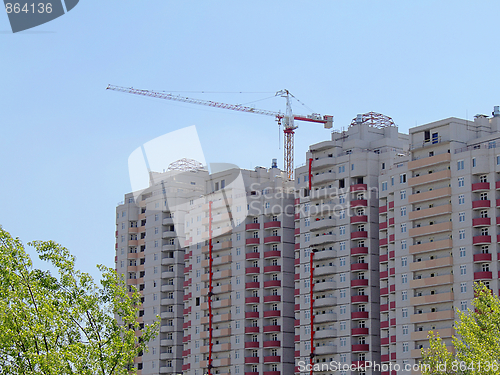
342, 214
460, 165
342, 198
341, 168
463, 305
403, 211
403, 244
352, 167
404, 278
343, 341
463, 287
404, 312
383, 166
405, 330
384, 186
498, 159
405, 347
461, 216
238, 236
404, 295
342, 277
403, 228
473, 162
342, 229
461, 199
402, 178
238, 265
461, 182
404, 261
307, 237
342, 245
463, 269
483, 196
461, 234
484, 213
342, 293
485, 232
342, 310
157, 217
307, 222
483, 178
342, 261
462, 252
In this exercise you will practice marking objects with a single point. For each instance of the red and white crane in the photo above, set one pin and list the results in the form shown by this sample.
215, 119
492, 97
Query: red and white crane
287, 119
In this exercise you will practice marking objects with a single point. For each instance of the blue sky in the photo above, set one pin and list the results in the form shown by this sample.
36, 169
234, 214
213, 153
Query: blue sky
65, 140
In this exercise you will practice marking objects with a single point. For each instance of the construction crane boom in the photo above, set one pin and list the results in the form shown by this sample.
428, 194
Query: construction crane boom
287, 119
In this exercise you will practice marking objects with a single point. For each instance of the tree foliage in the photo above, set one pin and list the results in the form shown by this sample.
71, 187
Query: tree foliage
477, 341
65, 323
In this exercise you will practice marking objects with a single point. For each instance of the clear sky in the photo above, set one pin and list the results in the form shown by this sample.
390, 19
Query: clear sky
65, 140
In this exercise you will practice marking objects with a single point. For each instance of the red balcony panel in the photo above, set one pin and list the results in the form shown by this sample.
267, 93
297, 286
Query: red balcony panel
358, 187
497, 185
385, 358
498, 238
359, 250
252, 329
296, 322
297, 246
383, 225
384, 291
359, 331
272, 239
186, 367
391, 238
269, 269
251, 270
393, 322
272, 224
383, 241
392, 254
186, 325
384, 324
272, 358
382, 209
359, 299
359, 282
480, 240
252, 300
252, 285
252, 241
360, 348
268, 299
482, 204
393, 356
297, 308
297, 353
297, 231
392, 288
251, 344
359, 234
296, 276
251, 314
274, 344
359, 203
297, 201
384, 307
271, 373
186, 256
186, 338
359, 315
272, 284
360, 364
482, 257
273, 313
272, 254
392, 271
252, 226
393, 339
297, 337
484, 275
384, 274
384, 341
187, 311
186, 352
296, 291
481, 186
297, 261
297, 216
481, 222
187, 283
391, 221
272, 328
384, 258
391, 205
252, 359
392, 305
359, 267
359, 219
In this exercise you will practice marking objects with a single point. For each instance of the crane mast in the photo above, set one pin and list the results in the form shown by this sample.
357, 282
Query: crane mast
286, 119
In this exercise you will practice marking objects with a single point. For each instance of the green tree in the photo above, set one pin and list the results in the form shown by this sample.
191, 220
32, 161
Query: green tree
65, 323
477, 341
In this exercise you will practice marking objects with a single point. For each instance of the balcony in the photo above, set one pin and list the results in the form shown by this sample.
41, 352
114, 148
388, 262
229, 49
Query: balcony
359, 267
479, 204
251, 360
251, 315
359, 219
481, 240
430, 229
359, 250
384, 291
359, 283
272, 359
480, 186
252, 226
272, 254
360, 348
432, 316
356, 315
272, 314
359, 299
359, 331
252, 256
432, 263
252, 300
382, 226
481, 222
432, 298
426, 162
272, 239
318, 223
272, 284
483, 257
271, 344
359, 234
391, 222
384, 274
252, 329
384, 341
431, 281
272, 329
270, 269
358, 187
382, 209
383, 241
321, 239
270, 299
252, 241
251, 344
431, 246
422, 335
384, 307
429, 178
252, 285
483, 275
430, 195
430, 212
252, 270
359, 203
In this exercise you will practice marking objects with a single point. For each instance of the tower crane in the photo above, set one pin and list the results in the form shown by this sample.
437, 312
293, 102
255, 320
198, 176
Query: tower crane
287, 119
